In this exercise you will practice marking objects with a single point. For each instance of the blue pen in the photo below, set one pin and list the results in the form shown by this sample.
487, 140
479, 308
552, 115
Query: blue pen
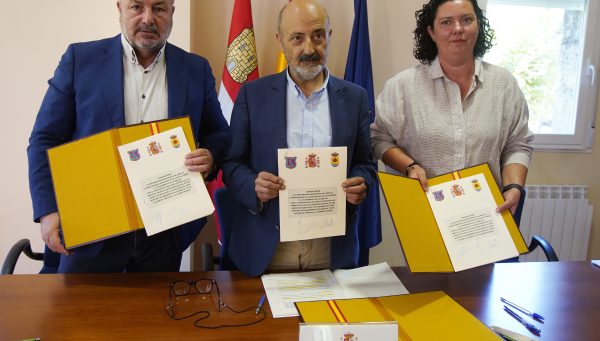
260, 304
533, 315
533, 329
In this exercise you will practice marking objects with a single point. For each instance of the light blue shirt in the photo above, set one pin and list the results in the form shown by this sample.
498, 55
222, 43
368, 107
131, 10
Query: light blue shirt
308, 119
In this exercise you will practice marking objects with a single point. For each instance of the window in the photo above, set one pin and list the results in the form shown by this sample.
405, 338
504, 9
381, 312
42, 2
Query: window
551, 47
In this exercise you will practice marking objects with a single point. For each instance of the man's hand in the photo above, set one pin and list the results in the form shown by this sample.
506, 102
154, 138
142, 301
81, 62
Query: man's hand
417, 172
356, 190
511, 200
50, 233
199, 160
267, 186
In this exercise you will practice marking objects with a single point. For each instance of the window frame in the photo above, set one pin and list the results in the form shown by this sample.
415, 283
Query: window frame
583, 137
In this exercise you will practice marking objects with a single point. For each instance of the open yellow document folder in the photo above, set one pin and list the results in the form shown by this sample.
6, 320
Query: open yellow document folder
420, 235
92, 190
423, 316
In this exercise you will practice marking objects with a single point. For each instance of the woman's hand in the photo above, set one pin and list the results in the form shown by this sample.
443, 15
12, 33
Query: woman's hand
417, 172
511, 201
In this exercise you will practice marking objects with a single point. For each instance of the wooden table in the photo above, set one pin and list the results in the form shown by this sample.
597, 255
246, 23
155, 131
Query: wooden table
132, 306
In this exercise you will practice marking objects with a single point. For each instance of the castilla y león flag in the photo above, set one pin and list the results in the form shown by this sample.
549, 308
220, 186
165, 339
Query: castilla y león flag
241, 65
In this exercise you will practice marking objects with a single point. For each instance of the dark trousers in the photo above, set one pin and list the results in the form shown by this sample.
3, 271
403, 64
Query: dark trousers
131, 252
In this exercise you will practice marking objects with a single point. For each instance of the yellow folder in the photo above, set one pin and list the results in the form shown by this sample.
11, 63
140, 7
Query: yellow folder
415, 223
92, 191
423, 316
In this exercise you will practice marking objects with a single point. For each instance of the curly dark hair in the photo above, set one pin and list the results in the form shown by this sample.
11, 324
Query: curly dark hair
425, 49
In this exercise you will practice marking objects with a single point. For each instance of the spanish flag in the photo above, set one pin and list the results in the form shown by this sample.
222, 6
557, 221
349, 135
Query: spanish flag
281, 62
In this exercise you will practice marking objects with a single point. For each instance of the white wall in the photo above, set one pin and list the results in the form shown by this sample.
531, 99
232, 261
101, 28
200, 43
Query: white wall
35, 35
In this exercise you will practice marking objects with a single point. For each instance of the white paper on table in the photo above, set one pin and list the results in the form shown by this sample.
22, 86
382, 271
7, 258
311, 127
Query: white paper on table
313, 204
473, 232
167, 194
368, 281
284, 289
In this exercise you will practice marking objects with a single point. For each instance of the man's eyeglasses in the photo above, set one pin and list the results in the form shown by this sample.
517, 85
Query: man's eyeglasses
182, 304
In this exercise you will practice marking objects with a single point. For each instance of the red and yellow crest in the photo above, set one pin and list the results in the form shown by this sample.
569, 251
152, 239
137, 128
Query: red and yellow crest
349, 336
154, 148
335, 159
312, 161
175, 141
476, 185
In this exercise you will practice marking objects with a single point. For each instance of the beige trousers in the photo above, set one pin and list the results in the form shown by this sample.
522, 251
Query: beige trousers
302, 255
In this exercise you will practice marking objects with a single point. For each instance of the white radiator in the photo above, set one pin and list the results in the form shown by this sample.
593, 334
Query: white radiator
562, 215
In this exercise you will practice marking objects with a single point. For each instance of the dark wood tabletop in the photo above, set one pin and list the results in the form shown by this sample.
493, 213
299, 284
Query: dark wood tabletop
133, 306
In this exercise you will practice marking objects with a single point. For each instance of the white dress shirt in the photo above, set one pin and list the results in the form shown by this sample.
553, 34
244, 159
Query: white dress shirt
146, 96
308, 119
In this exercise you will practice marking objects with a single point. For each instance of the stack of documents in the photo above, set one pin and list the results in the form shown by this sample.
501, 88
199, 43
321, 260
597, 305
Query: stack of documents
424, 316
283, 290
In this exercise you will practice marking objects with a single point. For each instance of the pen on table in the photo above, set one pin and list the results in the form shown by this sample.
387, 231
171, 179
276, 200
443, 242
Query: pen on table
533, 329
506, 337
260, 304
533, 315
510, 335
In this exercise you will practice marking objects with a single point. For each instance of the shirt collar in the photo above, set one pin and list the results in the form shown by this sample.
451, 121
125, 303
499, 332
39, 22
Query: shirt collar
131, 57
294, 87
478, 69
436, 70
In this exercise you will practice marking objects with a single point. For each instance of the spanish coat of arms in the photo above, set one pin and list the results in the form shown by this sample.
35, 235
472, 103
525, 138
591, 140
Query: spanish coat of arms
312, 161
154, 148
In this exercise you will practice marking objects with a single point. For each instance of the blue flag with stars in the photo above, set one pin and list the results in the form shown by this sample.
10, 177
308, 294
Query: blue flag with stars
359, 71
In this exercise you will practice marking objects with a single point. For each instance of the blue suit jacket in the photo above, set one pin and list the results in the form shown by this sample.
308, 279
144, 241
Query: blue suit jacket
258, 129
86, 96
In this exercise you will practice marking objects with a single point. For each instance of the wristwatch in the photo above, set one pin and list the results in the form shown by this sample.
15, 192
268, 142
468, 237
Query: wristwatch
414, 163
510, 186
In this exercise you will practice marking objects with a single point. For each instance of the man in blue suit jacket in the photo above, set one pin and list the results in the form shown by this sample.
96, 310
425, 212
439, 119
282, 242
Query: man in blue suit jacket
133, 77
301, 107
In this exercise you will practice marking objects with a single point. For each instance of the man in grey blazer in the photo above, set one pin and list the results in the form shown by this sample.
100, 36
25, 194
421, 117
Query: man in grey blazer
303, 106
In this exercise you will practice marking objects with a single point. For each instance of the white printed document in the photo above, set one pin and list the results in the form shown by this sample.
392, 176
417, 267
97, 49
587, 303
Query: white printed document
167, 194
369, 281
313, 204
473, 232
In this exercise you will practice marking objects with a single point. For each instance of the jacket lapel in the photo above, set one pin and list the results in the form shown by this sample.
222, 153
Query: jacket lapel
177, 69
110, 66
337, 107
277, 99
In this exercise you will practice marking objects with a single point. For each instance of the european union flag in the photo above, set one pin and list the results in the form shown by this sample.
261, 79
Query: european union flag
359, 71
